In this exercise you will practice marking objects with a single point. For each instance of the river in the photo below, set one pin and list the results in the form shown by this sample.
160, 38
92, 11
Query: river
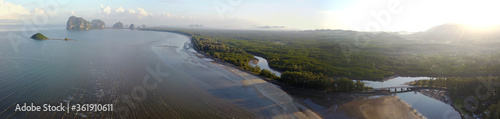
262, 63
427, 106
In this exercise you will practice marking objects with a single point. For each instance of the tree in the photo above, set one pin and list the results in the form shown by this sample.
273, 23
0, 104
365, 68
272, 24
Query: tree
345, 84
360, 86
267, 73
216, 55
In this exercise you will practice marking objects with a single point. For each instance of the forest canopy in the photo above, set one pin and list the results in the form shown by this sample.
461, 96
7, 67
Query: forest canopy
320, 57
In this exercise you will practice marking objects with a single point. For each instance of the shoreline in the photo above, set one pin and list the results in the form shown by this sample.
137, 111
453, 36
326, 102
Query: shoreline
308, 112
288, 89
249, 80
445, 98
303, 113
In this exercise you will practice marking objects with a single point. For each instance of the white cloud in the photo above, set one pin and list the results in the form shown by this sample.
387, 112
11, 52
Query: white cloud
166, 14
38, 11
120, 12
139, 15
108, 13
131, 11
142, 11
119, 9
106, 10
12, 12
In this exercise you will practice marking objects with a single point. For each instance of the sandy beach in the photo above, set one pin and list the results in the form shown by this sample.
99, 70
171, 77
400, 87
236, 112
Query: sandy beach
268, 90
387, 107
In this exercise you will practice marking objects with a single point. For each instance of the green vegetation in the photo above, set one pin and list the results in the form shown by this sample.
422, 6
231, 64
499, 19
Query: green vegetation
220, 51
39, 36
66, 39
225, 50
319, 59
361, 56
494, 111
320, 82
269, 74
480, 89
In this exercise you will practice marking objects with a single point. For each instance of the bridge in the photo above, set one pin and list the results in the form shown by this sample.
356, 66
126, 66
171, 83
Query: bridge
400, 89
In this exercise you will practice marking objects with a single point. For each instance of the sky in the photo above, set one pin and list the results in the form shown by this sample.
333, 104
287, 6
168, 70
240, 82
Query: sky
360, 15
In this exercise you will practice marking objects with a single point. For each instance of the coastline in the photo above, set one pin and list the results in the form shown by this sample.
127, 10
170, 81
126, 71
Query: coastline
308, 113
246, 75
250, 78
301, 112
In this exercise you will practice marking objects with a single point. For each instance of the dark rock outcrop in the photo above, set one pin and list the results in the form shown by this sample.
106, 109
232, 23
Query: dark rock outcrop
118, 25
97, 24
78, 23
132, 26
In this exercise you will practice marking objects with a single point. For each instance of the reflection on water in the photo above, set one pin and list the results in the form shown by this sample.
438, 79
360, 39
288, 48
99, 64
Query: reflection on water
429, 107
394, 82
327, 104
114, 66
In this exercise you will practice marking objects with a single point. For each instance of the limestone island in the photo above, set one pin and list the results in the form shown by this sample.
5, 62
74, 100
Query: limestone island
78, 23
39, 36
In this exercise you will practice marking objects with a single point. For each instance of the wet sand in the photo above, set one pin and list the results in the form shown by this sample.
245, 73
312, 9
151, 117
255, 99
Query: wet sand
266, 89
254, 61
289, 108
387, 107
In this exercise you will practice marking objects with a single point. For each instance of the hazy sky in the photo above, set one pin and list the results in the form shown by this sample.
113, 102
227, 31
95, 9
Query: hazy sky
364, 15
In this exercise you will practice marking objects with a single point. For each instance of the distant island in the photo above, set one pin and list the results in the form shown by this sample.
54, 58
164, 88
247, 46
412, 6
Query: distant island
118, 25
78, 23
132, 26
39, 36
97, 24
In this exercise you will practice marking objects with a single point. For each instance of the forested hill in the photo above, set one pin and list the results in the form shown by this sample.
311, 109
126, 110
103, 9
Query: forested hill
358, 55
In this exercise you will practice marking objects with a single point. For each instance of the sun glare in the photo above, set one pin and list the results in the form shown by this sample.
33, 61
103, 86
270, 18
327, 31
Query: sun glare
477, 14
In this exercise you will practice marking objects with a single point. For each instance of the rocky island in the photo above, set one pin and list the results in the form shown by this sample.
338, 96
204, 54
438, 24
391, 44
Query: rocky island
39, 36
132, 26
97, 24
118, 25
78, 23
